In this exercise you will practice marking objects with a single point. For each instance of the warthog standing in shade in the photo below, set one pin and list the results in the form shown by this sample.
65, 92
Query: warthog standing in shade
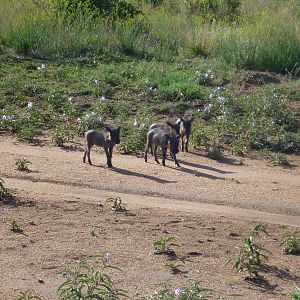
157, 137
107, 140
185, 129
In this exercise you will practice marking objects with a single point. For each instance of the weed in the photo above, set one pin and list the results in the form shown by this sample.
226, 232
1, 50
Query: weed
190, 292
15, 227
61, 135
173, 266
90, 280
117, 204
217, 152
239, 147
22, 164
27, 295
4, 191
291, 242
295, 293
164, 246
278, 159
250, 254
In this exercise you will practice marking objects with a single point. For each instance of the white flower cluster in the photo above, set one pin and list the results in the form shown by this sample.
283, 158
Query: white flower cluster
42, 67
207, 75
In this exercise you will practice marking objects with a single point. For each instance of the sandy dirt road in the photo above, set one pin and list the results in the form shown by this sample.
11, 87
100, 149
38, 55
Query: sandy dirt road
205, 205
252, 186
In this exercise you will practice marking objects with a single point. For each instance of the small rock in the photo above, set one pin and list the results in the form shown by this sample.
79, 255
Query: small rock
41, 281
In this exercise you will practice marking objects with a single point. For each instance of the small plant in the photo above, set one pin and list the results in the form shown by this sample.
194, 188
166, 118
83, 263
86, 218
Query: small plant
90, 280
60, 136
173, 267
278, 159
295, 293
117, 204
4, 191
239, 147
22, 164
164, 246
190, 292
291, 242
250, 254
15, 227
27, 295
216, 153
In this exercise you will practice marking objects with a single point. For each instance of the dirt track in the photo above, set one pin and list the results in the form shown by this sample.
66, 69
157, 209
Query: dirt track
254, 185
205, 205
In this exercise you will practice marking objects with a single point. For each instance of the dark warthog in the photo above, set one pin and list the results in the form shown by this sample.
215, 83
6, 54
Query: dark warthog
107, 140
185, 129
157, 137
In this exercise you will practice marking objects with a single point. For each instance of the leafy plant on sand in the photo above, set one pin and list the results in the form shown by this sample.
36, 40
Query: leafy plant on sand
190, 292
4, 191
22, 164
27, 295
15, 227
291, 242
164, 245
250, 254
90, 280
117, 204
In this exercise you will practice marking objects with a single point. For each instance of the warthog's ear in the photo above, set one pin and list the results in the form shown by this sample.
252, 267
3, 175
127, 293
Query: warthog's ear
169, 124
181, 119
107, 128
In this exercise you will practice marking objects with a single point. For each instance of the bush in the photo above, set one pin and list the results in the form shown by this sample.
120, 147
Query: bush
134, 140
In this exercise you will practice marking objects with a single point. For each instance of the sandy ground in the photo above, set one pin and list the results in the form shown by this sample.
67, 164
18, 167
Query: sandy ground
206, 205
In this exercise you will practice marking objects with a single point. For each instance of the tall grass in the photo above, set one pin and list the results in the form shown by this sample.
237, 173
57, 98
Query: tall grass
268, 44
261, 39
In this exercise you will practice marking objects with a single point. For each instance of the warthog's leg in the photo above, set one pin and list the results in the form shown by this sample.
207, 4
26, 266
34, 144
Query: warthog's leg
84, 155
182, 143
108, 158
175, 160
88, 153
111, 151
164, 155
187, 142
155, 154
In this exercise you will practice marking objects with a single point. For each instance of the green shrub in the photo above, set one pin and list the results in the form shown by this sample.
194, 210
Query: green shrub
291, 242
251, 254
90, 280
4, 191
163, 245
22, 164
61, 135
133, 141
295, 293
190, 292
27, 295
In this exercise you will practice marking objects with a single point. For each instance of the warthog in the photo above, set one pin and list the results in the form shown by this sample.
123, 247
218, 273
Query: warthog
171, 129
185, 129
157, 137
107, 140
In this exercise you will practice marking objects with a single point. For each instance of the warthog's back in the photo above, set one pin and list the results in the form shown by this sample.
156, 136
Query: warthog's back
158, 137
95, 137
166, 128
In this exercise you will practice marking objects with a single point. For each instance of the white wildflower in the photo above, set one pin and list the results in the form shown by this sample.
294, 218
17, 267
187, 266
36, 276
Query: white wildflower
29, 105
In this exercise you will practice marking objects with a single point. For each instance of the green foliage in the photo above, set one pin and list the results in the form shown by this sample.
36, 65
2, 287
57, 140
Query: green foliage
266, 45
22, 164
61, 135
295, 293
117, 204
201, 136
15, 227
291, 242
215, 10
90, 280
89, 121
216, 152
27, 295
4, 191
278, 159
239, 147
133, 141
164, 245
190, 292
251, 254
172, 266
